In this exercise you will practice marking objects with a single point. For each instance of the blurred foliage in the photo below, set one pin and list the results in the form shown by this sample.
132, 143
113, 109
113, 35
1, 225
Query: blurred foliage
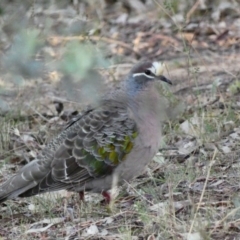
79, 58
28, 55
234, 88
19, 60
78, 66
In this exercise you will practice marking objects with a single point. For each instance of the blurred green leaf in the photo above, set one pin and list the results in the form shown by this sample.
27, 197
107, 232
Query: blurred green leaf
81, 80
80, 58
20, 60
234, 87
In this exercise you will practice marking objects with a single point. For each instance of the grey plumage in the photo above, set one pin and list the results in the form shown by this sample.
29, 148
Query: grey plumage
118, 136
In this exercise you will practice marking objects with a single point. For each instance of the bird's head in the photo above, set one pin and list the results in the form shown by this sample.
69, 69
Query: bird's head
145, 74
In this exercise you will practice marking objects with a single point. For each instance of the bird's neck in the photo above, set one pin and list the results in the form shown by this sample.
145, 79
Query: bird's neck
148, 103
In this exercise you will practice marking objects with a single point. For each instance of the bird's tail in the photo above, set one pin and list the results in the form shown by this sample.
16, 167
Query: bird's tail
28, 177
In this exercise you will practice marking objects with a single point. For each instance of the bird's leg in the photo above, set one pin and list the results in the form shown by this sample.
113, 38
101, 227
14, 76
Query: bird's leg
81, 196
106, 196
108, 201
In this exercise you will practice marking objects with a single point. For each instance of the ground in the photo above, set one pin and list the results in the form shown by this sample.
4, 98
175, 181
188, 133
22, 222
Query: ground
191, 188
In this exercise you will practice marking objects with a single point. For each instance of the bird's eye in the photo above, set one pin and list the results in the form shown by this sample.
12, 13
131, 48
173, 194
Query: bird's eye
148, 72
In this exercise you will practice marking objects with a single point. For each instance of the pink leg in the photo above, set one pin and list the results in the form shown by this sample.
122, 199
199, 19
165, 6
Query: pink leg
106, 196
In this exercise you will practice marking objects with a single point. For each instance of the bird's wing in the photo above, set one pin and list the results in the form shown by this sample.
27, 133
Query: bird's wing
94, 144
97, 142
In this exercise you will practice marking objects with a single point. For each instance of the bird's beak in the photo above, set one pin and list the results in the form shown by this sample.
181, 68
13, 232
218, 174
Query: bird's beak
164, 79
160, 66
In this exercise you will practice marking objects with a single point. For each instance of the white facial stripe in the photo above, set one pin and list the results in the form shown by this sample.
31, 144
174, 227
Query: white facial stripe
143, 74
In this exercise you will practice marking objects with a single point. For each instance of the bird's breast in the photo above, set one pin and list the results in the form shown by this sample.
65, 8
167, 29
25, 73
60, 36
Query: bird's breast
150, 129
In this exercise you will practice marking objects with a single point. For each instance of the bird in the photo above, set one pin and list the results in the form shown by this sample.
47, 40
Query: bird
114, 138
